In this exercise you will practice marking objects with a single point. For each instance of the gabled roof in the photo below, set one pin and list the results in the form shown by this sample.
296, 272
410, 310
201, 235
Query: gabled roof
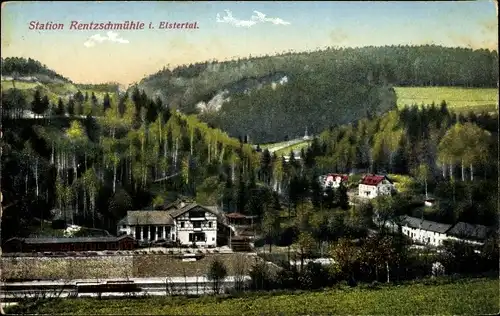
147, 218
373, 179
431, 226
178, 212
166, 217
470, 231
236, 215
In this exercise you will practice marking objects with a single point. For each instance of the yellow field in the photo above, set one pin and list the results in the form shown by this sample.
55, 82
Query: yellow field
458, 99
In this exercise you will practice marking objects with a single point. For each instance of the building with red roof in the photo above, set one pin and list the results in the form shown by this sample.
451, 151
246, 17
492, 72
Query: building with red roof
333, 180
372, 186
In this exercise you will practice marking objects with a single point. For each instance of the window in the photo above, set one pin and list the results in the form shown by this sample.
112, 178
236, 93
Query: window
124, 226
210, 224
194, 237
197, 213
182, 224
160, 231
196, 224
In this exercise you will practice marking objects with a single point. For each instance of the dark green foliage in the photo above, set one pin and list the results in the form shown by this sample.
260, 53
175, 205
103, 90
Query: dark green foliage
323, 88
71, 106
26, 67
59, 110
217, 272
106, 102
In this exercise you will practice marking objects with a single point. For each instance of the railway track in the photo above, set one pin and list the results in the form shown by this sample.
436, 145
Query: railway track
16, 291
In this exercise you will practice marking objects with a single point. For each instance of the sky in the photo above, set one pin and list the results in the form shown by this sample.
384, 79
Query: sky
228, 30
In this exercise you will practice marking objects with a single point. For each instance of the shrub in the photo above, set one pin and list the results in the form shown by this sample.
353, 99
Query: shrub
217, 272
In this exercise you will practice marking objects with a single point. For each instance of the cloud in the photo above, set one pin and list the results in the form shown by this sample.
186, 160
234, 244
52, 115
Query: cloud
110, 37
258, 17
261, 17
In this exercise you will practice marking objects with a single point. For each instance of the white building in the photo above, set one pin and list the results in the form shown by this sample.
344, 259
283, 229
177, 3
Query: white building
433, 233
187, 224
423, 231
333, 180
372, 186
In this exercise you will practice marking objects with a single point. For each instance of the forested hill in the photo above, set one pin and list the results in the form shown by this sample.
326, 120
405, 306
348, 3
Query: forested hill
90, 169
18, 67
271, 97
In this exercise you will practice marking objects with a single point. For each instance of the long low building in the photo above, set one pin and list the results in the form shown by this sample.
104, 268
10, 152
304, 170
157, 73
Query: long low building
433, 233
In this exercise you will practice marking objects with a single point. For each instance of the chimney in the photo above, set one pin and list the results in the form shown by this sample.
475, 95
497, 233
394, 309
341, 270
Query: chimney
182, 204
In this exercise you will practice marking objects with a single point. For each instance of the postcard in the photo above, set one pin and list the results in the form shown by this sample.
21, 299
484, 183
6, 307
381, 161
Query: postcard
250, 157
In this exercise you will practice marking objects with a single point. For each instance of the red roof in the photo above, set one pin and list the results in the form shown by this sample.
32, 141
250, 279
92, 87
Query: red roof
235, 215
372, 180
334, 175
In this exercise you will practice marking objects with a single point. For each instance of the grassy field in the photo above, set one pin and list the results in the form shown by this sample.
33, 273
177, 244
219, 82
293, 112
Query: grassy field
286, 151
466, 297
52, 90
458, 99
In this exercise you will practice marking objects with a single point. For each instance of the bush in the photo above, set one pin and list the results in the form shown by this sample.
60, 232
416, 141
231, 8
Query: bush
217, 272
261, 278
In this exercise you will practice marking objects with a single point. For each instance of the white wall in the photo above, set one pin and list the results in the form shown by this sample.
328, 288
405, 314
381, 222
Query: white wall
374, 191
424, 236
210, 232
166, 234
367, 191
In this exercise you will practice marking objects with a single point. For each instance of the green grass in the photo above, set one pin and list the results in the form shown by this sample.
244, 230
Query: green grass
466, 297
53, 90
286, 151
458, 99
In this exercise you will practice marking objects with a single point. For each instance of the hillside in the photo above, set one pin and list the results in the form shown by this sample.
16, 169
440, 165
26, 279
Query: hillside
273, 97
473, 296
28, 76
87, 159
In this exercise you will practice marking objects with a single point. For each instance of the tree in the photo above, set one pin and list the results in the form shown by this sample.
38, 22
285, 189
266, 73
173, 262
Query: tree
385, 211
217, 272
422, 173
346, 255
36, 104
271, 225
343, 197
106, 104
210, 191
304, 215
60, 107
71, 107
306, 244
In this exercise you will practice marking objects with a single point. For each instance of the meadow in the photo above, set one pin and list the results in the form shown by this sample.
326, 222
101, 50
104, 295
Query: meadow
457, 99
463, 297
52, 90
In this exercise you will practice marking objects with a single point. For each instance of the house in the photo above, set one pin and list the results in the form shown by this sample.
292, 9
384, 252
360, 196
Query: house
333, 180
470, 233
424, 231
372, 186
434, 233
185, 223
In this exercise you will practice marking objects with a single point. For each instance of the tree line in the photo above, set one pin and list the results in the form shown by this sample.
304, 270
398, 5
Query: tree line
19, 66
128, 154
331, 86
